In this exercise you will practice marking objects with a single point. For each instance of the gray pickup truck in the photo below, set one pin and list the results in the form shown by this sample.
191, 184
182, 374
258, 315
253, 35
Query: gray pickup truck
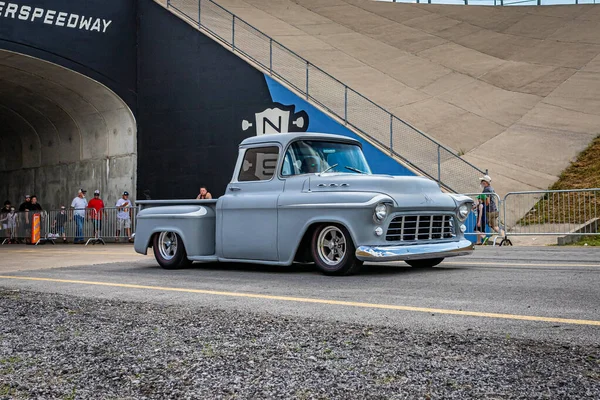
308, 197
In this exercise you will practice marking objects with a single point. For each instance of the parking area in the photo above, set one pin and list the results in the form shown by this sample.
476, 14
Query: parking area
105, 322
26, 257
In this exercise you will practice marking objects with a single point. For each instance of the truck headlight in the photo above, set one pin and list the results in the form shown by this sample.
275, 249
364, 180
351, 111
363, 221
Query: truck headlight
380, 212
463, 212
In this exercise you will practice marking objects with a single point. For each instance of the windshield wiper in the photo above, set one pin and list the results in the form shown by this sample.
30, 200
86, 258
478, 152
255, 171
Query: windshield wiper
333, 166
355, 170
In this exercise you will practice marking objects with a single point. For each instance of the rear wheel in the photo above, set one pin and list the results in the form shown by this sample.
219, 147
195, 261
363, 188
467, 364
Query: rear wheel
428, 263
333, 250
169, 251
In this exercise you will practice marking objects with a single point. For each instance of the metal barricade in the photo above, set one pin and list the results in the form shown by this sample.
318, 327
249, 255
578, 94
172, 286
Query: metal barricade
553, 212
9, 224
23, 227
118, 225
87, 225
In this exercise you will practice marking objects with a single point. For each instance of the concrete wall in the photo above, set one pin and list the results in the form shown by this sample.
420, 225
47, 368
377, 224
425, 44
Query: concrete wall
192, 113
516, 89
57, 185
192, 98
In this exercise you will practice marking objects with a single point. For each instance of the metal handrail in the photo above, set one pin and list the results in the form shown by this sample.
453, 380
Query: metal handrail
465, 180
497, 2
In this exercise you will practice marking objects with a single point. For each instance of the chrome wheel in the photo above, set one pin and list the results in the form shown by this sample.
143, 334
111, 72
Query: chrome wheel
167, 245
331, 245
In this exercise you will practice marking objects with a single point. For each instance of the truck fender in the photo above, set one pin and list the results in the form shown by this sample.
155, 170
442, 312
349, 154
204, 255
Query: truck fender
142, 245
303, 239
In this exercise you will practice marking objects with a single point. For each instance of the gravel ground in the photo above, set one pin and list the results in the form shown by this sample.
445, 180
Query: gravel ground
54, 346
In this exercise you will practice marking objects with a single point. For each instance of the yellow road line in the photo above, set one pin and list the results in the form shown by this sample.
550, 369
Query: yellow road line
319, 301
505, 264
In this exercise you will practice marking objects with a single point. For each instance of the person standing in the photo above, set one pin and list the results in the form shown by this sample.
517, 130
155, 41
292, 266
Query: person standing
491, 208
480, 219
4, 212
58, 225
204, 194
12, 225
4, 220
124, 217
96, 206
23, 219
35, 206
79, 205
25, 206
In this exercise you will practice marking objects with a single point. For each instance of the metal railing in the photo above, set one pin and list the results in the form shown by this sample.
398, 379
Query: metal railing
498, 2
534, 213
400, 139
537, 213
568, 212
110, 224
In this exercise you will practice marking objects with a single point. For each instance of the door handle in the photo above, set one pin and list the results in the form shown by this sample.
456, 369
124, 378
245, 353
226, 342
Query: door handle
234, 188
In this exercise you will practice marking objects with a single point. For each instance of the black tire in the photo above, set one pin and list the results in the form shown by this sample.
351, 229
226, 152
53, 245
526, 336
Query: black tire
427, 263
339, 259
170, 256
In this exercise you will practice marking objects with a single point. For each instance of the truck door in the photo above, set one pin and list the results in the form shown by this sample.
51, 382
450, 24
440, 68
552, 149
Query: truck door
249, 211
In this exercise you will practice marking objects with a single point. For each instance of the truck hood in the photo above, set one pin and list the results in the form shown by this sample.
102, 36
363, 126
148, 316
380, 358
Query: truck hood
410, 191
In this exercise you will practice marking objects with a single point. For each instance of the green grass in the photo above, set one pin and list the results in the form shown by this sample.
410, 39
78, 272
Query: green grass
575, 208
584, 173
589, 240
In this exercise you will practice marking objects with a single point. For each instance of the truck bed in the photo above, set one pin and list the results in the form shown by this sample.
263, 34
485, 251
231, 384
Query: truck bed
193, 220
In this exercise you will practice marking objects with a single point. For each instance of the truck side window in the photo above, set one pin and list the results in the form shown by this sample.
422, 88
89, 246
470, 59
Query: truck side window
259, 164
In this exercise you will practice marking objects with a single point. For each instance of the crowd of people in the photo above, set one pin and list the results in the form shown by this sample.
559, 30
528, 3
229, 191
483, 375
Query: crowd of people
486, 214
9, 217
16, 222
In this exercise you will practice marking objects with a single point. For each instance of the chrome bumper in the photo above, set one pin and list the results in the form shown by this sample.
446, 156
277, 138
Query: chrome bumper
414, 252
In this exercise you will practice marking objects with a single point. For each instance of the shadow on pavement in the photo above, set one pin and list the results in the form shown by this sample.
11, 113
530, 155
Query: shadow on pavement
367, 270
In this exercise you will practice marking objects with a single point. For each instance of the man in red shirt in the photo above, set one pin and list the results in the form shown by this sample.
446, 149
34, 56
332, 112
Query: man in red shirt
96, 206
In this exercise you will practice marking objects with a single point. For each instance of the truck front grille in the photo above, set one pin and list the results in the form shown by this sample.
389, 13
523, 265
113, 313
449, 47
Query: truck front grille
420, 227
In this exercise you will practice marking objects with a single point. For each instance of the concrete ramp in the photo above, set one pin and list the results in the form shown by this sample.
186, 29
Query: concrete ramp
514, 89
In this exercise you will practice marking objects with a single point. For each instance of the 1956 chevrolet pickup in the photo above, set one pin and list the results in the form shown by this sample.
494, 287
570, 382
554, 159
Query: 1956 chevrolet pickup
308, 197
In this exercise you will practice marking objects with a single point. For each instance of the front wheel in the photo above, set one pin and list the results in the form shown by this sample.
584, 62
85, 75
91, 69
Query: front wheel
169, 251
428, 263
333, 250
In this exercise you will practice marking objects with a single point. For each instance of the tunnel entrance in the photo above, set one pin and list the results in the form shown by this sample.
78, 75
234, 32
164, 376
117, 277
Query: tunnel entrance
61, 131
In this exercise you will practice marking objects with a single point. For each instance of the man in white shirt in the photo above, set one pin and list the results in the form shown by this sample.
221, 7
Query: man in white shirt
124, 216
79, 205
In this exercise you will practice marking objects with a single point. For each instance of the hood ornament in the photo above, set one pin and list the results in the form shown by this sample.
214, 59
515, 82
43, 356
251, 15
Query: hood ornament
428, 200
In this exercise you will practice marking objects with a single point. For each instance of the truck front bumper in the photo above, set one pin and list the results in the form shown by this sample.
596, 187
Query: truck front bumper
414, 252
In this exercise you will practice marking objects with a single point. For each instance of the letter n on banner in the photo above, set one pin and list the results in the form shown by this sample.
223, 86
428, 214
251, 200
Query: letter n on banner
35, 228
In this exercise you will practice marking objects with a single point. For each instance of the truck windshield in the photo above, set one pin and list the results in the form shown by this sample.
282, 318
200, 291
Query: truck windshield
312, 156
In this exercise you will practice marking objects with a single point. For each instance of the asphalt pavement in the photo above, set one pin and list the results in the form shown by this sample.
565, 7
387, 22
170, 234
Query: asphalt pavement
545, 293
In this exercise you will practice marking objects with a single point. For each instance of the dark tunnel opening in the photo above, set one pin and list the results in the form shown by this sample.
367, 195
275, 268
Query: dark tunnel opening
61, 131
